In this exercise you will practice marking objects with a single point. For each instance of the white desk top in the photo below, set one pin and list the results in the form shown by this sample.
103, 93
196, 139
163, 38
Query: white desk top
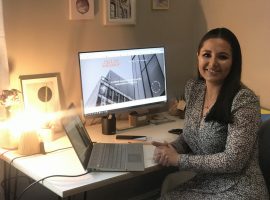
65, 162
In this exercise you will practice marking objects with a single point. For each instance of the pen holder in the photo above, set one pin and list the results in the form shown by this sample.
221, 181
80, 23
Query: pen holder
108, 125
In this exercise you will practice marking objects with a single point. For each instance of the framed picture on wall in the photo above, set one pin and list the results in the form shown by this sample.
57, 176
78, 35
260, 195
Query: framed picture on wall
160, 4
41, 92
81, 9
119, 12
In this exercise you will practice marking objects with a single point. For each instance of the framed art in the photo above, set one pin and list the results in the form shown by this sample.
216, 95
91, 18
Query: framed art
81, 9
120, 12
41, 92
160, 4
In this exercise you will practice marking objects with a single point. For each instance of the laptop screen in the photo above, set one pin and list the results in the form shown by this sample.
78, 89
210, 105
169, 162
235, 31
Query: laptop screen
79, 138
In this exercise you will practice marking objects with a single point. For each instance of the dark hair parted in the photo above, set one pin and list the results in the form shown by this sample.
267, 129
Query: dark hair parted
221, 110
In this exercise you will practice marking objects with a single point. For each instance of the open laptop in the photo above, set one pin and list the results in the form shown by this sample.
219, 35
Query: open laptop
102, 156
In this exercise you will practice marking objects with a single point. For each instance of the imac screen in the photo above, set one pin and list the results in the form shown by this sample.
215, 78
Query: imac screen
122, 79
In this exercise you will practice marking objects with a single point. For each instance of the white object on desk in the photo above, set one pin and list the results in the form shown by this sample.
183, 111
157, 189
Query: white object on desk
181, 105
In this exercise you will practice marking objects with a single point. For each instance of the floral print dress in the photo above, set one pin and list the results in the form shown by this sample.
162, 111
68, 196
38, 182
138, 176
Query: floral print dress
224, 156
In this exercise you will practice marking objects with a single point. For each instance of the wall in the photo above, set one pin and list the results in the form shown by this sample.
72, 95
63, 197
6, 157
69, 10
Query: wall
41, 39
249, 20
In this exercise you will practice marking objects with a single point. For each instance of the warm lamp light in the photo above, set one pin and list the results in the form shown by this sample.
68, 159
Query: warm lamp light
8, 137
21, 131
26, 131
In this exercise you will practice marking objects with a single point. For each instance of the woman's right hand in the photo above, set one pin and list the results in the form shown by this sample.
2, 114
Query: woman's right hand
165, 154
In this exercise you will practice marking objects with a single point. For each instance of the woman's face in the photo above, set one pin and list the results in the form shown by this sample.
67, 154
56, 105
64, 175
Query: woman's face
215, 60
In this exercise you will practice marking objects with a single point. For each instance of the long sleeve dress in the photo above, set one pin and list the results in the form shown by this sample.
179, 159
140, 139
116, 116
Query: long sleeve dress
224, 156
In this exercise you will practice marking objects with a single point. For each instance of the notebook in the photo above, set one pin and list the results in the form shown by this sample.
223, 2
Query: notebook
102, 156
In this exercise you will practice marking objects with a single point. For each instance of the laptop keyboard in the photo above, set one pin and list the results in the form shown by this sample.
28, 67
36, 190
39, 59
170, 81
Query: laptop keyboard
111, 156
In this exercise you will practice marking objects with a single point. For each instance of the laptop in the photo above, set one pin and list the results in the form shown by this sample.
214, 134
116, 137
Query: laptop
102, 156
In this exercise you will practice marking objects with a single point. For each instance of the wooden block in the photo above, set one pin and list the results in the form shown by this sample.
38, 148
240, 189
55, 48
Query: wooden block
29, 143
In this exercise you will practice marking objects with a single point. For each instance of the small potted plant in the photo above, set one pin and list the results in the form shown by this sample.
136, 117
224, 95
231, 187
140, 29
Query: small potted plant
9, 104
9, 101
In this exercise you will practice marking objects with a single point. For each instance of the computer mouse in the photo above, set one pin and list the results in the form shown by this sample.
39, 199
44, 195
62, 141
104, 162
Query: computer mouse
176, 131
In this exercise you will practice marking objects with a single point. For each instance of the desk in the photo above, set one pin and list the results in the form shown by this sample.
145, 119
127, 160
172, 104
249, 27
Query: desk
65, 162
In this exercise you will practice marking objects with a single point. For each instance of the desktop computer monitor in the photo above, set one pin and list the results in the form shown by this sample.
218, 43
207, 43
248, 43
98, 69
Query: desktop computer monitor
122, 80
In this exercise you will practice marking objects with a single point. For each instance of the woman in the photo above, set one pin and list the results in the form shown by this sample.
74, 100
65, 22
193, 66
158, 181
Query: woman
219, 139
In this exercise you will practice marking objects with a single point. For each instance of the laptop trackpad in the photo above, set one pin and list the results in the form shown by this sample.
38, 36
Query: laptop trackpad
135, 160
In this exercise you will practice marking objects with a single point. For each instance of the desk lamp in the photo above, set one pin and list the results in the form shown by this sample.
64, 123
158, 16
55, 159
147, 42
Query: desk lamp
36, 132
8, 137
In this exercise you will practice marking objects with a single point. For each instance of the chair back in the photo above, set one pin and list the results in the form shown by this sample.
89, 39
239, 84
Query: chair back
264, 151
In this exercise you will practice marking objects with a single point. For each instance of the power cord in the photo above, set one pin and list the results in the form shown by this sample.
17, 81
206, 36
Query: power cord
58, 149
32, 184
4, 153
37, 154
10, 164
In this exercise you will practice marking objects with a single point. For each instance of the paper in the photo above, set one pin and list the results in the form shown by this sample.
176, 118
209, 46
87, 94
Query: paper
181, 105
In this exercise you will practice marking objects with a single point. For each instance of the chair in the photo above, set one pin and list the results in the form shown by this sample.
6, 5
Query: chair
175, 179
264, 151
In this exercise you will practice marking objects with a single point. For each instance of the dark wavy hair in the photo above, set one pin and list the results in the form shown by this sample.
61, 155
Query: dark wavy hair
221, 110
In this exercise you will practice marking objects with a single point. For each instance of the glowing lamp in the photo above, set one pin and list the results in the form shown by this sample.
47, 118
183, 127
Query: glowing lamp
8, 138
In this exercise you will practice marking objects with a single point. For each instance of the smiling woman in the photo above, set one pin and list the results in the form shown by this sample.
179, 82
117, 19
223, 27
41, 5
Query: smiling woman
222, 118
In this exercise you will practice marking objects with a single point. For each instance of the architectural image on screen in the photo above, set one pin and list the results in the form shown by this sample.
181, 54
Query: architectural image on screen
122, 79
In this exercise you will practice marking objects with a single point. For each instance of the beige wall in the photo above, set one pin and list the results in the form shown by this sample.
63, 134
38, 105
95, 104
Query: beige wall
41, 39
250, 21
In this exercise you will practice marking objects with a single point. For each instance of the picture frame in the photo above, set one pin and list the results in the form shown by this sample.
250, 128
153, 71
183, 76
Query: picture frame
160, 4
81, 9
119, 12
41, 92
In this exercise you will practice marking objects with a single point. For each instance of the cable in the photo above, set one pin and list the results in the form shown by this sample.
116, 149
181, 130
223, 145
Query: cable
9, 170
10, 164
4, 153
32, 184
38, 153
58, 150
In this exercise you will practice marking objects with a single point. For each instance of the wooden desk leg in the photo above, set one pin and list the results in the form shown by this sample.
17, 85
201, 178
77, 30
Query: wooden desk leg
5, 181
15, 185
85, 195
8, 181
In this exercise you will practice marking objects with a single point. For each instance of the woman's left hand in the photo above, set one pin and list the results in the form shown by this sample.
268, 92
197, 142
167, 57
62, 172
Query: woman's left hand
166, 155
